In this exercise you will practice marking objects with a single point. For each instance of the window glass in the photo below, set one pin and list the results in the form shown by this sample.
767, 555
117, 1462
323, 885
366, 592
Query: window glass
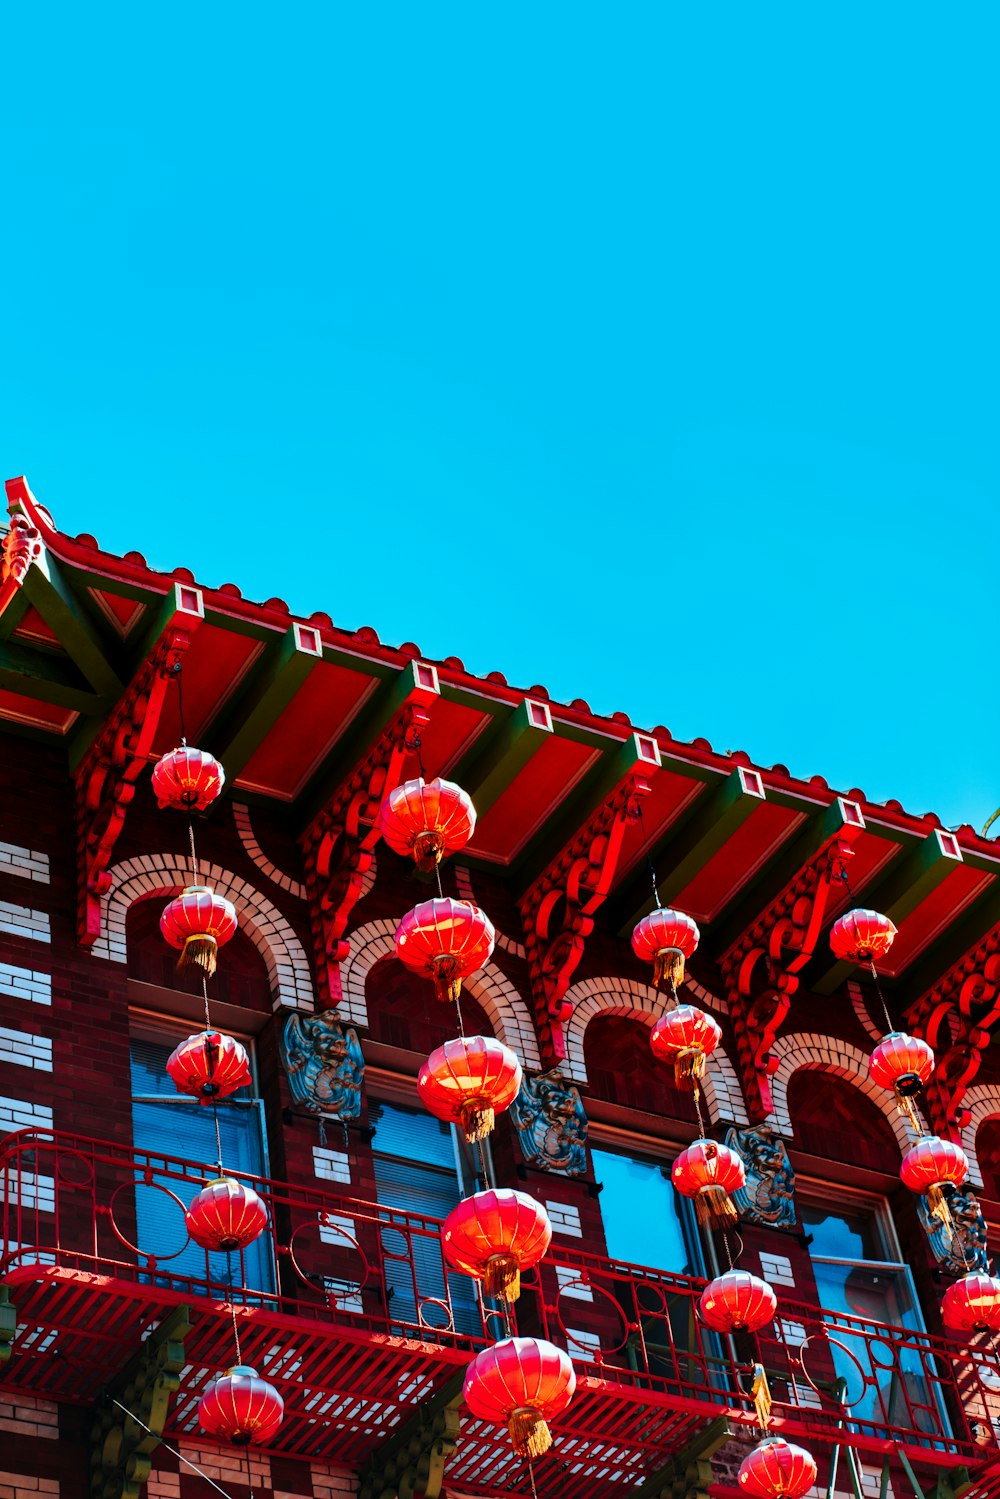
841, 1235
641, 1213
422, 1167
168, 1123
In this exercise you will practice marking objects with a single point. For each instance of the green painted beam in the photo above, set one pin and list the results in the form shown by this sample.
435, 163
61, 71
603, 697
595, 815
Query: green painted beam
688, 1470
637, 753
958, 938
696, 836
417, 681
47, 678
45, 587
779, 871
502, 752
909, 879
17, 608
245, 723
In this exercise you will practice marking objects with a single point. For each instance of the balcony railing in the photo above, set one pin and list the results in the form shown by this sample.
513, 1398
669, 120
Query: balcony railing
349, 1308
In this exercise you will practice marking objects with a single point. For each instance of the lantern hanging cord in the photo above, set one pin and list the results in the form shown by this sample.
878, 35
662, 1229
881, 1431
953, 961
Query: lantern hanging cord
180, 703
218, 1136
173, 1450
651, 867
531, 1477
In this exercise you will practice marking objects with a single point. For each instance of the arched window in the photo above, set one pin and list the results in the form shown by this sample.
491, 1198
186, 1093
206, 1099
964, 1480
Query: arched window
622, 1070
833, 1119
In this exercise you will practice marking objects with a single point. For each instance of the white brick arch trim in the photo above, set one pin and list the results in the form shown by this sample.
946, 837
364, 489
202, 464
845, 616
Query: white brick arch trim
165, 874
838, 1058
983, 1103
508, 1013
634, 1001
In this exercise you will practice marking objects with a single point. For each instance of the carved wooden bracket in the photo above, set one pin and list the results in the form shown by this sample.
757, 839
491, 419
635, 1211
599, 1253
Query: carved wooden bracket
339, 843
411, 1462
121, 1447
761, 969
558, 909
105, 780
957, 1018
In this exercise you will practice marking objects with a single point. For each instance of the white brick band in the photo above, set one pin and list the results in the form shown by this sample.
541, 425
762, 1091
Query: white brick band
241, 816
15, 1114
26, 1050
21, 921
26, 862
25, 983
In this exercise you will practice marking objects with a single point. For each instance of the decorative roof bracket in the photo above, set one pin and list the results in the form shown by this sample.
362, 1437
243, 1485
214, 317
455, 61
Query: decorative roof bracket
558, 908
957, 1017
761, 970
120, 1447
411, 1462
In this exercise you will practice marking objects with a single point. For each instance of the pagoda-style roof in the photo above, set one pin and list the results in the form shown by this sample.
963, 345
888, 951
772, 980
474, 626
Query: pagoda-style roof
292, 706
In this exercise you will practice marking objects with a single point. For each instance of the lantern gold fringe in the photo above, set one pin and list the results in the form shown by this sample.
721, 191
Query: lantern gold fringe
199, 951
529, 1432
715, 1208
502, 1277
447, 983
761, 1394
905, 1106
428, 850
478, 1120
689, 1066
938, 1203
668, 969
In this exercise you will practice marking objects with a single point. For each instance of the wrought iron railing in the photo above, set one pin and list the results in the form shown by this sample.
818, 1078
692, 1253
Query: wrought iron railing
71, 1203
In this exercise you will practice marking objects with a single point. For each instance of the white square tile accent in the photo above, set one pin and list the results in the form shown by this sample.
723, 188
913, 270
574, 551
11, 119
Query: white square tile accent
21, 921
570, 1284
25, 1050
14, 1114
582, 1342
565, 1219
331, 1165
31, 1191
24, 861
793, 1333
25, 983
777, 1270
335, 1228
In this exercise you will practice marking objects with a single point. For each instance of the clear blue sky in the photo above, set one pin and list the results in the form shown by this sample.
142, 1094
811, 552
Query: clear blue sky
648, 352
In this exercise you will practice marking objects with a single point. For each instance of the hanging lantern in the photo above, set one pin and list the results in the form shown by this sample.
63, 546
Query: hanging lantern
445, 940
427, 820
972, 1304
709, 1172
524, 1382
665, 938
209, 1066
737, 1302
777, 1470
929, 1166
493, 1236
240, 1407
904, 1064
199, 922
468, 1082
685, 1036
225, 1215
861, 937
187, 779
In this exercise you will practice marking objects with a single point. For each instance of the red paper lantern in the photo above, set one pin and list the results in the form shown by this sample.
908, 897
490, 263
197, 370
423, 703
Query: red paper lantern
929, 1166
468, 1082
902, 1063
187, 779
199, 922
777, 1470
225, 1215
240, 1407
427, 820
209, 1065
525, 1383
685, 1036
861, 936
493, 1236
972, 1304
737, 1302
665, 938
445, 940
709, 1172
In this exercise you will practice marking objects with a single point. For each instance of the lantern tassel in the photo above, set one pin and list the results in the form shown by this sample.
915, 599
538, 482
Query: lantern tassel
428, 851
715, 1208
689, 1066
478, 1120
904, 1104
761, 1394
938, 1204
199, 951
447, 984
668, 970
529, 1432
502, 1277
